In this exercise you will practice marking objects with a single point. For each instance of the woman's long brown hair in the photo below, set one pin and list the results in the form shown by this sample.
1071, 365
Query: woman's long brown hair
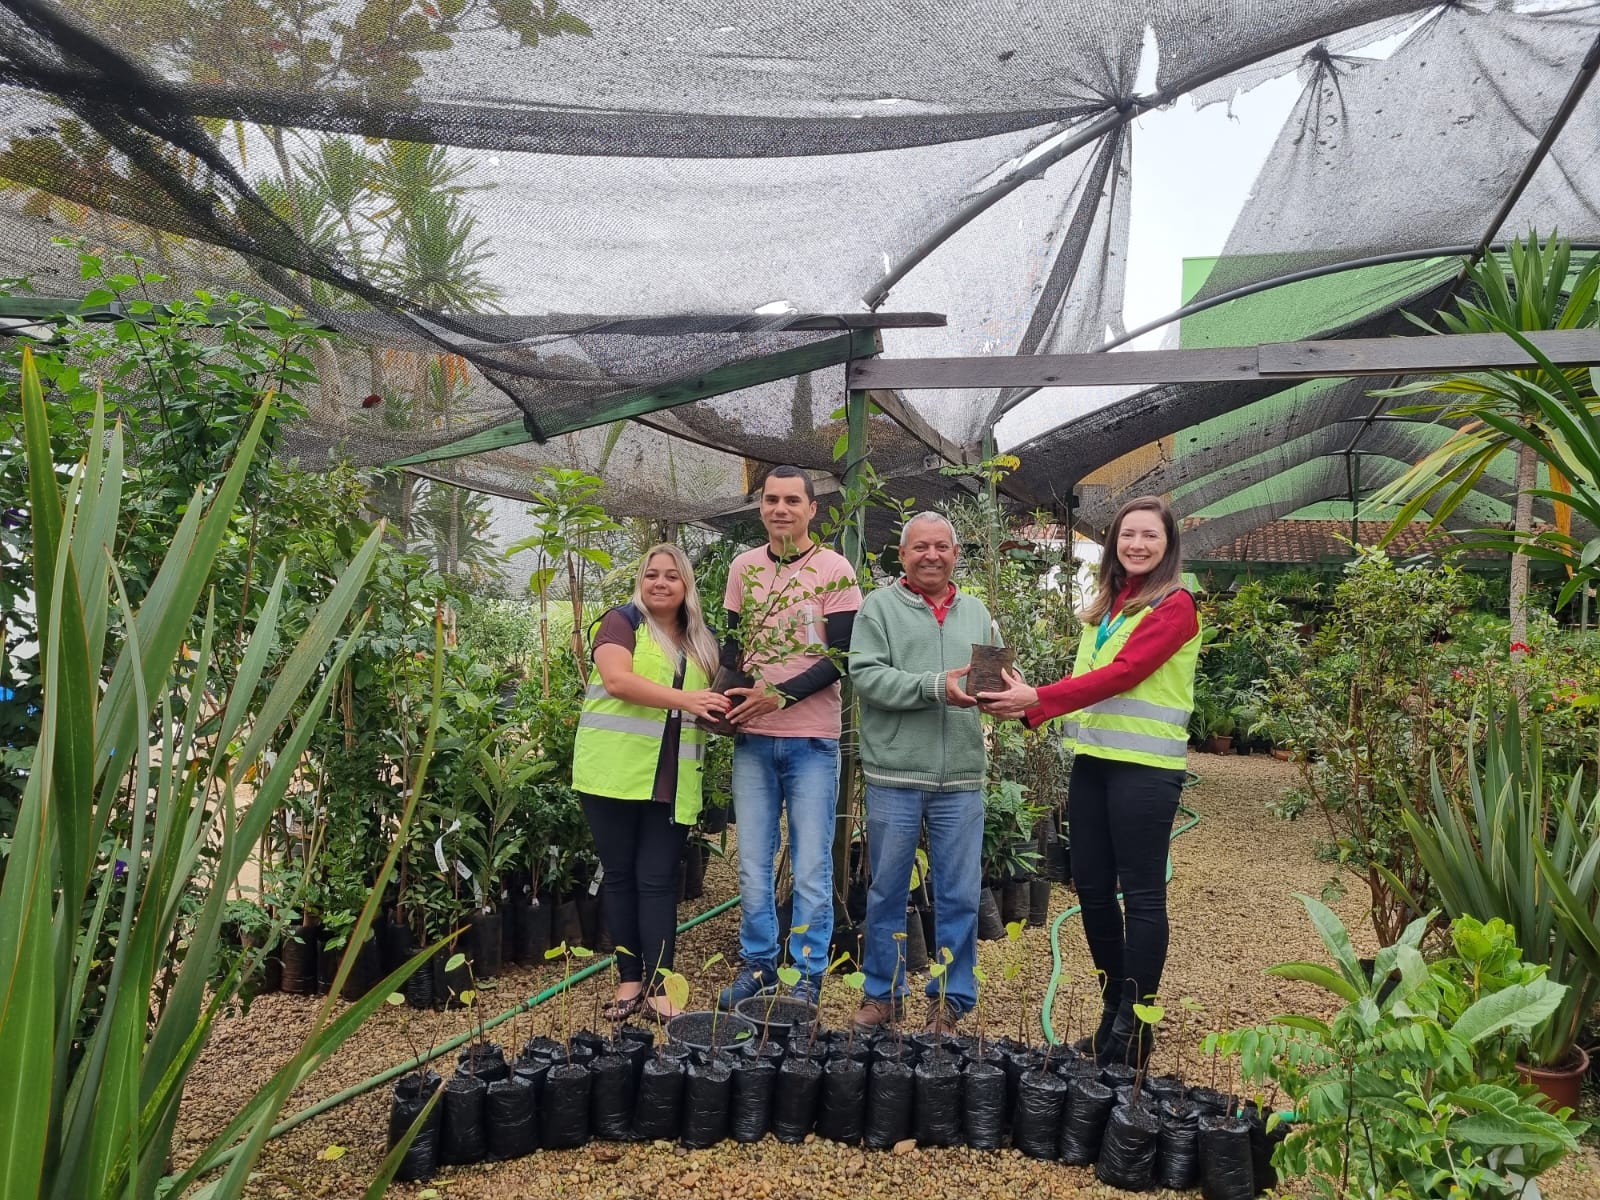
1165, 579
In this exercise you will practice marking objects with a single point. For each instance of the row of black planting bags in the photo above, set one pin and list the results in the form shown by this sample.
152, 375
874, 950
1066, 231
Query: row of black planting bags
1137, 1132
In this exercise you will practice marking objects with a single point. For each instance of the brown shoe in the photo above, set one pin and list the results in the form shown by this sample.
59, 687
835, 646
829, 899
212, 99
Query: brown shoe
874, 1015
941, 1019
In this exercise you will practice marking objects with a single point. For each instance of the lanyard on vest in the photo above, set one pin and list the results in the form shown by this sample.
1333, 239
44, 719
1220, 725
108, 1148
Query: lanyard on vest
1107, 628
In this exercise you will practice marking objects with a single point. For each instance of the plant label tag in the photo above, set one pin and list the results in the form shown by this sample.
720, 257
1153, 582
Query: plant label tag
599, 876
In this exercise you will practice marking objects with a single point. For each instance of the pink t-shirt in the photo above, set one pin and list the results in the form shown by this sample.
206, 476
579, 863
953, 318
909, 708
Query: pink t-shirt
818, 714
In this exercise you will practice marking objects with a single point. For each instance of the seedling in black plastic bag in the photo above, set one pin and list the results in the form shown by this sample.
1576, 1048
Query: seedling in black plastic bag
676, 989
566, 954
856, 982
894, 983
980, 985
941, 971
1150, 1016
1012, 969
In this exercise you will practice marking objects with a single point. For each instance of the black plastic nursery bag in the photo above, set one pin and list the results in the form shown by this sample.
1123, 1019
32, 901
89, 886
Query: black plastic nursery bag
891, 1093
794, 1104
611, 1098
983, 1105
410, 1097
1128, 1152
842, 1116
706, 1092
564, 1108
1227, 1171
1036, 1123
1178, 1151
1083, 1127
755, 1081
511, 1113
465, 1136
938, 1116
655, 1113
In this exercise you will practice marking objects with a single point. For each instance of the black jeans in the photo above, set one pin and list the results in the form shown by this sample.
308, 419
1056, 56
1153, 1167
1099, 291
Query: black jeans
639, 848
1119, 818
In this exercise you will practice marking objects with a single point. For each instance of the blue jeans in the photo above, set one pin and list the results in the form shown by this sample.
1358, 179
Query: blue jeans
801, 773
955, 853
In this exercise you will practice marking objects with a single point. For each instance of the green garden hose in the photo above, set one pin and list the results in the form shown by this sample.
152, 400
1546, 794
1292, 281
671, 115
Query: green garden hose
1045, 1019
411, 1064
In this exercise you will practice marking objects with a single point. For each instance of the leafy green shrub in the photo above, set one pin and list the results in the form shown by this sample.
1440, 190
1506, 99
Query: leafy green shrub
1411, 1090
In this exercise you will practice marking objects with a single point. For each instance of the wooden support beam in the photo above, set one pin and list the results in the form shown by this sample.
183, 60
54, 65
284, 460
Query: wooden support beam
894, 406
1441, 354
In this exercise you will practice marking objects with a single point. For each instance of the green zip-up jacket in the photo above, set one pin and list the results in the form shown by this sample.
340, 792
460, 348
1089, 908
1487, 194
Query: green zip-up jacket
899, 655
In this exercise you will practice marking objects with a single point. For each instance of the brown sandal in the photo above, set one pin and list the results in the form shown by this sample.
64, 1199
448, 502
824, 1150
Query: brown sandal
618, 1011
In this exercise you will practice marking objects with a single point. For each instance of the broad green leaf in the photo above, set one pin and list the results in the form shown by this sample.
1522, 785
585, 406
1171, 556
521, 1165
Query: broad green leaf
455, 962
788, 976
1319, 975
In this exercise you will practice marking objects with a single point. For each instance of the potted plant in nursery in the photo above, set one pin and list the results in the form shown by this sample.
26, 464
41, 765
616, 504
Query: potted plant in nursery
1409, 1091
1521, 848
497, 784
774, 625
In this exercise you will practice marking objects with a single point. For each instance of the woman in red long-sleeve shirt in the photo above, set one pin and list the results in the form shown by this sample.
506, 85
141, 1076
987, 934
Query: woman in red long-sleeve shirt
1131, 691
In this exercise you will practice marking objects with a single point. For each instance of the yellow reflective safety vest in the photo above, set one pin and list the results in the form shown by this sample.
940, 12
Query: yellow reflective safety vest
618, 744
1147, 724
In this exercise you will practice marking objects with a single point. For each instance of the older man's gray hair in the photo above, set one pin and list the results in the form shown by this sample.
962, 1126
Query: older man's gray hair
923, 518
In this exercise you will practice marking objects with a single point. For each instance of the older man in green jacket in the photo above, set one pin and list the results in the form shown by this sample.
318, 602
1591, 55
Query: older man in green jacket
923, 757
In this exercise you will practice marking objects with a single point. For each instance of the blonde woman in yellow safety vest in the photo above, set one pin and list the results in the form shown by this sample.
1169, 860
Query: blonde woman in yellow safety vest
1128, 702
637, 763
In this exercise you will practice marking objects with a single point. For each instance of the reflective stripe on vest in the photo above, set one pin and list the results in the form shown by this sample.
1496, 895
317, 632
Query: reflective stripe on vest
619, 744
1147, 724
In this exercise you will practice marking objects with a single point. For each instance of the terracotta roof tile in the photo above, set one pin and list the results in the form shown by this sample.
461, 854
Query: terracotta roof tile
1302, 541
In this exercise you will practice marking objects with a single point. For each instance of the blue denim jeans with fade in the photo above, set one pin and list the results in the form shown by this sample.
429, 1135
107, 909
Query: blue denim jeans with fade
895, 816
800, 774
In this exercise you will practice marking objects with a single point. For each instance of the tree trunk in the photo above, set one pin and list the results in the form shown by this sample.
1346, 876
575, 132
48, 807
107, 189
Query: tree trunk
1527, 475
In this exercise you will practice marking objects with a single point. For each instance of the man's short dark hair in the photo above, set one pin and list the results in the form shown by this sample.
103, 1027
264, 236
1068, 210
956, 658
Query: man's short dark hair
790, 472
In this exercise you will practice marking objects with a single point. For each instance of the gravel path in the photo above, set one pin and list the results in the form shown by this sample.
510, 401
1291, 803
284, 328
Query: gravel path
1232, 916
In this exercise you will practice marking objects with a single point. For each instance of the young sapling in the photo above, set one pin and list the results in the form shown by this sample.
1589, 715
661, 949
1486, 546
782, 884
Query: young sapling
856, 982
1149, 1016
940, 971
566, 954
981, 978
1012, 970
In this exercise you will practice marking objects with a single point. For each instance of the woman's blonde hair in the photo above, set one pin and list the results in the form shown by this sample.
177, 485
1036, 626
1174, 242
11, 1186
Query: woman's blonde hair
1166, 578
698, 641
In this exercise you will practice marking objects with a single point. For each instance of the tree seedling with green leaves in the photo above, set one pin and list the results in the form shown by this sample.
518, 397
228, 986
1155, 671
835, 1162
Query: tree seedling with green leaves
421, 1060
1189, 1009
856, 982
1012, 969
1150, 1015
676, 989
566, 954
940, 971
894, 983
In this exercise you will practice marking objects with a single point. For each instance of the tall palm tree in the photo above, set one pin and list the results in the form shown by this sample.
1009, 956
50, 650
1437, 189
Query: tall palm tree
1531, 287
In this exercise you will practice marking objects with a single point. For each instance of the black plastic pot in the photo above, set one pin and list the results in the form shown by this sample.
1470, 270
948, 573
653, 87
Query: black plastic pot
564, 1112
843, 1112
714, 818
891, 1095
725, 679
916, 944
1128, 1153
707, 1092
1178, 1151
611, 1098
449, 985
565, 924
1015, 900
511, 1116
464, 1137
396, 945
486, 1060
755, 1082
1083, 1128
366, 971
660, 1099
794, 1106
532, 930
694, 872
1227, 1170
409, 1098
1058, 862
695, 1030
485, 935
938, 1117
1036, 1124
846, 943
299, 952
990, 927
1038, 901
983, 1105
590, 919
779, 1014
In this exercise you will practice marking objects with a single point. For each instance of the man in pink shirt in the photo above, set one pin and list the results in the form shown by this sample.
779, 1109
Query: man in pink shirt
786, 753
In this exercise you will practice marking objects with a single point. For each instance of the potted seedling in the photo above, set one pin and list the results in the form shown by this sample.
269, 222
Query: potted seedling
1149, 1015
770, 630
566, 954
771, 1010
700, 1030
940, 972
